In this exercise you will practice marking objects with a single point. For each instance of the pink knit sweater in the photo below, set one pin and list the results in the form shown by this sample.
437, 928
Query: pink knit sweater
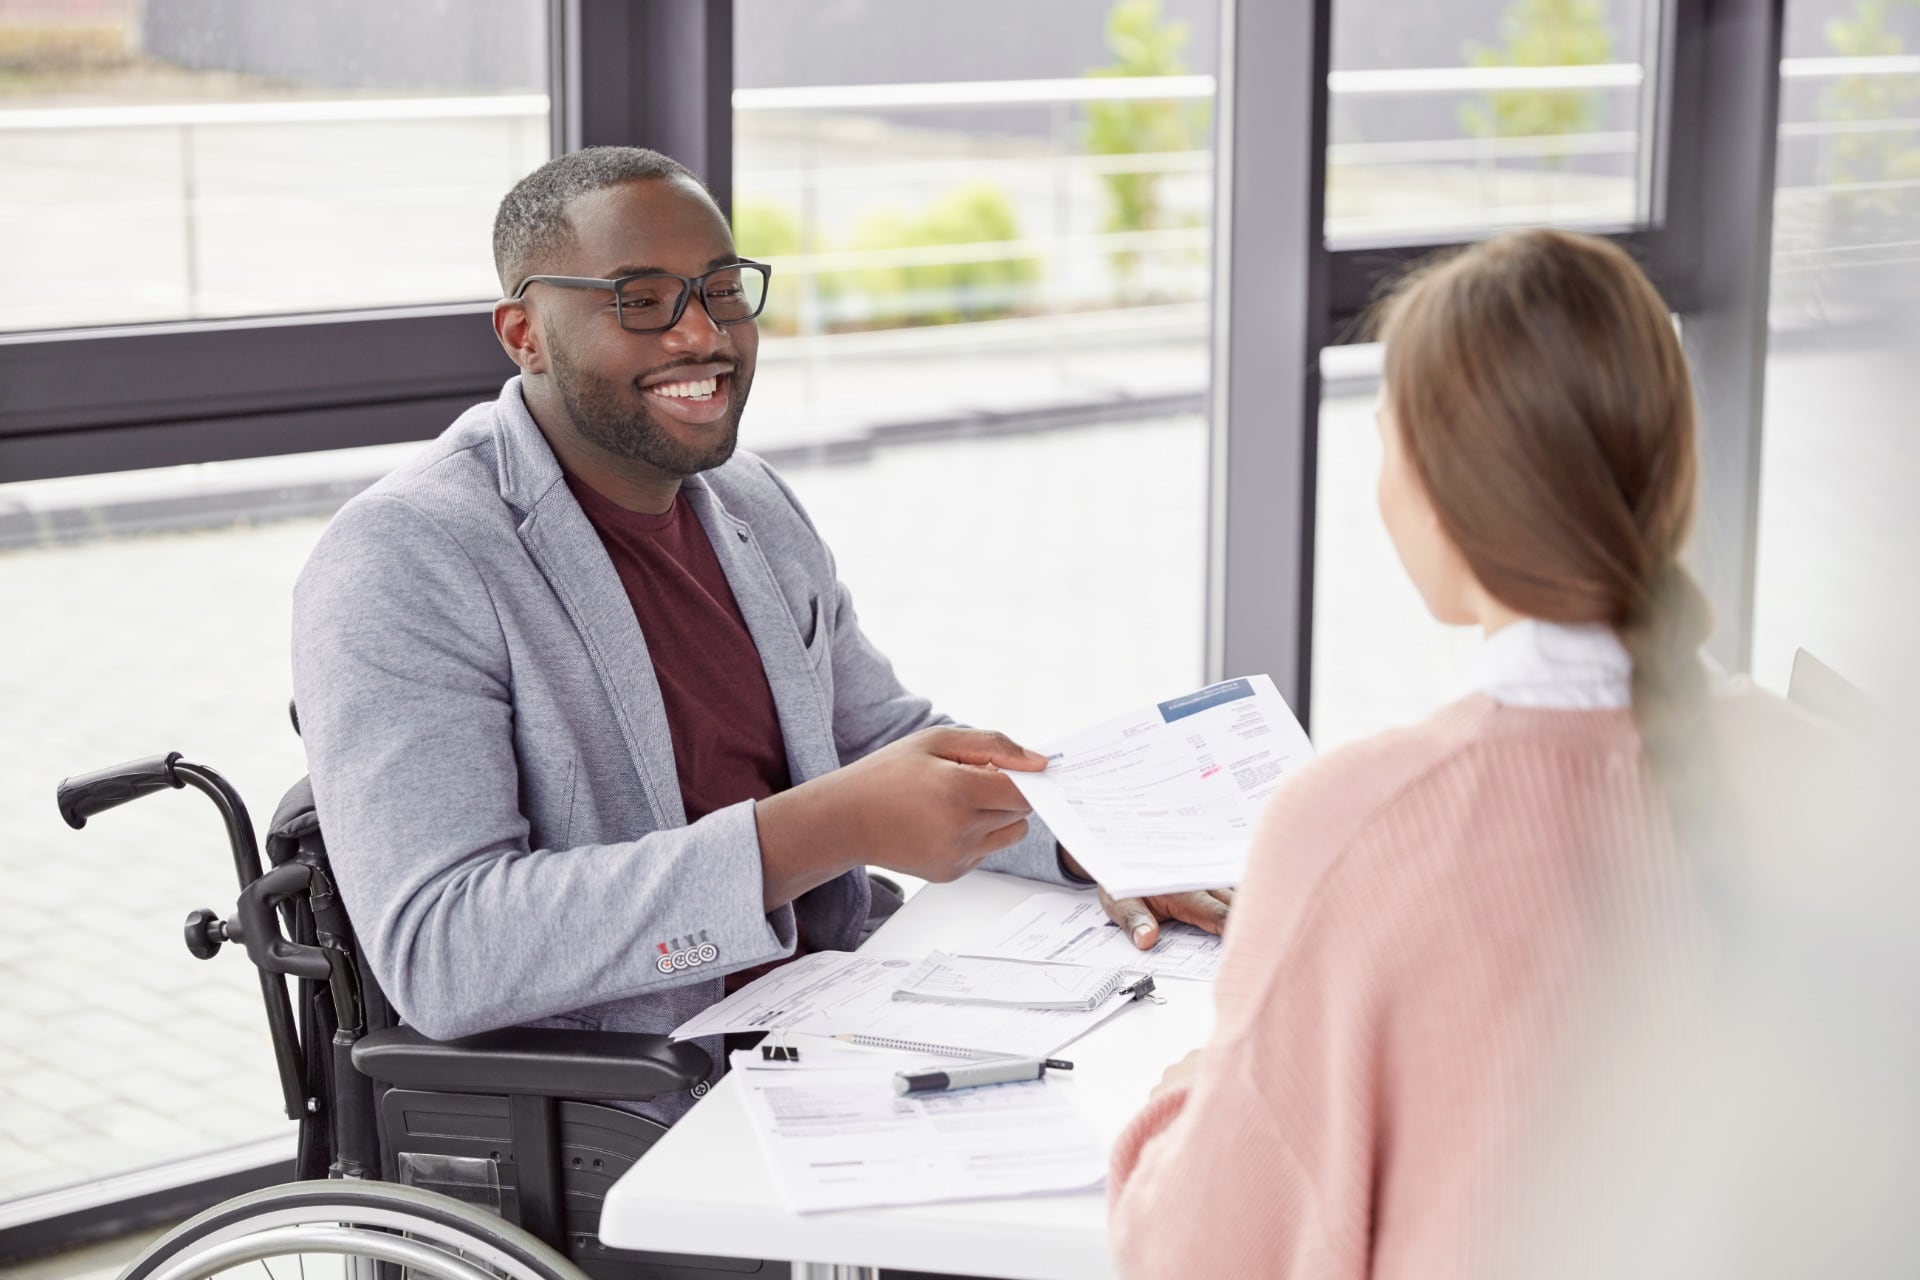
1426, 920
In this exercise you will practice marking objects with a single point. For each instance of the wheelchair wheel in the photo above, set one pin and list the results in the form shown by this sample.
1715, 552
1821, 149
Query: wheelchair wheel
341, 1230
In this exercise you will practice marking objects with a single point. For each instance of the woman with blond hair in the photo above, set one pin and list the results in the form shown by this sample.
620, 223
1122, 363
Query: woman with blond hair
1432, 920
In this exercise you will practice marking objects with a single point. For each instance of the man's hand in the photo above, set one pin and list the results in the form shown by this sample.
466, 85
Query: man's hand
1141, 917
934, 804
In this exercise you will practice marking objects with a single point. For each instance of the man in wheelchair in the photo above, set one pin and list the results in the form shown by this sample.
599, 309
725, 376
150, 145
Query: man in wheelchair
593, 736
593, 730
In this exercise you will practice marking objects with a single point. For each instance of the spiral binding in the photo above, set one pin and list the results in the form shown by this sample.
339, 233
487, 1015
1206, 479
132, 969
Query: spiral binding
920, 1046
1110, 984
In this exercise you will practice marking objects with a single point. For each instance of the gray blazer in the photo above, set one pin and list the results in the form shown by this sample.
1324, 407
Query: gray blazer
490, 755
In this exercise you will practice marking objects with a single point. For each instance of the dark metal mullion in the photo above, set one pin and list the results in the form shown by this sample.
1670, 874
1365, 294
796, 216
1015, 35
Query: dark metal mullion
563, 76
658, 73
171, 373
85, 403
1270, 309
1359, 276
1660, 21
134, 447
1725, 136
112, 1220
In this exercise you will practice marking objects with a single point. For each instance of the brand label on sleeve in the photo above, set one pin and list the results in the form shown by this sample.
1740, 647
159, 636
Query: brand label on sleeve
679, 954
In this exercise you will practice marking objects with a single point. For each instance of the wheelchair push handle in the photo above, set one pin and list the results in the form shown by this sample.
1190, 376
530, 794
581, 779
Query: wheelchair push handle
89, 793
254, 926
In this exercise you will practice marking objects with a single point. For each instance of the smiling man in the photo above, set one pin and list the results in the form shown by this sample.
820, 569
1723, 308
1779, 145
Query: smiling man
593, 728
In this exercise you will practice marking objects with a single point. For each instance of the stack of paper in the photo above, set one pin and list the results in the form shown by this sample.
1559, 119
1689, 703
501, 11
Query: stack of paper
1164, 799
840, 993
846, 1140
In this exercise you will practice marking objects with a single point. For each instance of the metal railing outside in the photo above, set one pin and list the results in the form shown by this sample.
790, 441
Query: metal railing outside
1065, 248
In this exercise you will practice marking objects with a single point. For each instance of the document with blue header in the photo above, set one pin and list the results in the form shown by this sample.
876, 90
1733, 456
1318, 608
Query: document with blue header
1164, 799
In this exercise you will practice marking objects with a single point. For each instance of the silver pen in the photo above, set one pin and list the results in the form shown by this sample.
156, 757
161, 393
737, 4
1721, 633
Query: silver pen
974, 1074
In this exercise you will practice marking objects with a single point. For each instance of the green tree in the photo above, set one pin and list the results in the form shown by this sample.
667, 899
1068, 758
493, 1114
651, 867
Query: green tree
1143, 44
1541, 33
1872, 156
939, 292
763, 229
768, 231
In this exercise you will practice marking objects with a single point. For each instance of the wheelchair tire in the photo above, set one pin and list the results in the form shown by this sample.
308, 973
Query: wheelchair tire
373, 1221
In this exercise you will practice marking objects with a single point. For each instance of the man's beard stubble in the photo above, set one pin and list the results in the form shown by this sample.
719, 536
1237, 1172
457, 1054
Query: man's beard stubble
604, 417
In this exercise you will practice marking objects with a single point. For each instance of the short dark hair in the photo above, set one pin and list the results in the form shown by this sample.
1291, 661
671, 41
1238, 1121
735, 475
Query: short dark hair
532, 221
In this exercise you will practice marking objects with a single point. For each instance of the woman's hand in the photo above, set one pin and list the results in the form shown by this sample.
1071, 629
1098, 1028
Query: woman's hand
1178, 1076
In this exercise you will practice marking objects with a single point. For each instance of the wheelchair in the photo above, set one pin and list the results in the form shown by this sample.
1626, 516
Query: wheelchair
483, 1157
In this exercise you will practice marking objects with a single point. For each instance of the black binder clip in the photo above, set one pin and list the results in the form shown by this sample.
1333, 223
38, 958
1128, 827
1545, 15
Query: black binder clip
1143, 990
779, 1053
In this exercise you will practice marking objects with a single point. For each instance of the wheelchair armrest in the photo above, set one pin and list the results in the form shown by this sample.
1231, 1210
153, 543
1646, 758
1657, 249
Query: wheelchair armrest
611, 1066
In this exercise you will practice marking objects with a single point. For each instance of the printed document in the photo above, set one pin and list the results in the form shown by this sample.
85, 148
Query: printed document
1060, 927
842, 993
846, 1140
1164, 799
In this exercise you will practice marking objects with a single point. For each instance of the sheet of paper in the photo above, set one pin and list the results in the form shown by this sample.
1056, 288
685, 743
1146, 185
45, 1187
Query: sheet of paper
1072, 928
845, 1140
810, 994
842, 993
1165, 798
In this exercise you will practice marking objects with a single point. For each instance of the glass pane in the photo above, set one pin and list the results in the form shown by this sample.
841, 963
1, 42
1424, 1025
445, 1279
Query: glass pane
180, 159
984, 357
1839, 533
1486, 113
160, 607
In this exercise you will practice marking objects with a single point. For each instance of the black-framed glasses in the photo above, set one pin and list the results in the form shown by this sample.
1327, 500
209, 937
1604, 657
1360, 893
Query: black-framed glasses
654, 301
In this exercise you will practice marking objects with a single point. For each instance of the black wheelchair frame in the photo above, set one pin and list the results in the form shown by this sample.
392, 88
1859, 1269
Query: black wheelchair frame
514, 1120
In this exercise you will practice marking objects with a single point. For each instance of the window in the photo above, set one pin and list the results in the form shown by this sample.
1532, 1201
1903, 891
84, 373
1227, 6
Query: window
985, 362
168, 160
1460, 117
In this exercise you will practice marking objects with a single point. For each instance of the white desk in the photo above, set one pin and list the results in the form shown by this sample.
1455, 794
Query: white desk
705, 1188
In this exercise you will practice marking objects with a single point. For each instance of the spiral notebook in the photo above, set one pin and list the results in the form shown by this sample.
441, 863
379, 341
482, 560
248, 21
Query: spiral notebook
1012, 984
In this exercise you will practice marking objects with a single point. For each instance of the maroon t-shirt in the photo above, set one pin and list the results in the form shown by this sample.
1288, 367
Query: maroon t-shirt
726, 735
